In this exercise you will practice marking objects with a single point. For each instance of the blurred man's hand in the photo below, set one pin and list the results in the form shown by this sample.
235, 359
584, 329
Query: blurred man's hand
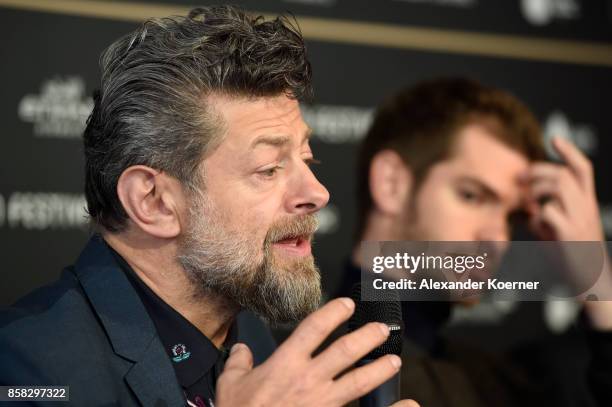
563, 206
562, 200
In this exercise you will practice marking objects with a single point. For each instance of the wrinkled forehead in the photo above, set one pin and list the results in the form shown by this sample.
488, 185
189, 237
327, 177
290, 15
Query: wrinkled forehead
255, 131
244, 118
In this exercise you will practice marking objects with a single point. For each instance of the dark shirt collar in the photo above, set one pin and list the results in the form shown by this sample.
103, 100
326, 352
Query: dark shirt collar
192, 354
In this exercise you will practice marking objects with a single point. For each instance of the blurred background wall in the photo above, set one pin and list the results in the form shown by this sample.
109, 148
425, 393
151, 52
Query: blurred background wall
556, 55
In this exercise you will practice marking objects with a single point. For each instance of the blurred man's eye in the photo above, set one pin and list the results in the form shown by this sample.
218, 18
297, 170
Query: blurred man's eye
470, 196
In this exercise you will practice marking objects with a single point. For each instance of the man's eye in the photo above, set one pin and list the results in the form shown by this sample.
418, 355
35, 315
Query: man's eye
270, 172
470, 196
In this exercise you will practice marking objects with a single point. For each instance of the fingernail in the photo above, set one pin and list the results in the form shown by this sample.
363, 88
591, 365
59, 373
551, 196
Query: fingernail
396, 361
236, 347
384, 328
350, 304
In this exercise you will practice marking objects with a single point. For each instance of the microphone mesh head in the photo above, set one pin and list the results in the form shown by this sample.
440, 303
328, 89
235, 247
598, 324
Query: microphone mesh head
386, 308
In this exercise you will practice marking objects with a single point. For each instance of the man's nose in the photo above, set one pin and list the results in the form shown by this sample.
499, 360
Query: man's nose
309, 194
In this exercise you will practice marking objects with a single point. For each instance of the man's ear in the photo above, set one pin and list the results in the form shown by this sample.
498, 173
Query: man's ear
152, 199
390, 182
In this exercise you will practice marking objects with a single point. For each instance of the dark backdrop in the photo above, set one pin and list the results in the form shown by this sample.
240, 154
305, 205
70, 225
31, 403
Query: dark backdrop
556, 55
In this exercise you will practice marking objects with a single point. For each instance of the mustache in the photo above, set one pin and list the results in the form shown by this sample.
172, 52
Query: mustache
292, 227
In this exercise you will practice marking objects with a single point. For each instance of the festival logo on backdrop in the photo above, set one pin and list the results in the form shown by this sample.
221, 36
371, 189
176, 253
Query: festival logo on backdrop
338, 124
329, 220
558, 124
544, 12
60, 110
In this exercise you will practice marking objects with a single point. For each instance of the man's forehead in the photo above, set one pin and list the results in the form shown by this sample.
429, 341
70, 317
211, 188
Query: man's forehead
248, 123
476, 147
480, 155
242, 107
257, 113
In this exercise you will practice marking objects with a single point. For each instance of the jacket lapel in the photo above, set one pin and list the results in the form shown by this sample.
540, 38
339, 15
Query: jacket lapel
151, 386
128, 326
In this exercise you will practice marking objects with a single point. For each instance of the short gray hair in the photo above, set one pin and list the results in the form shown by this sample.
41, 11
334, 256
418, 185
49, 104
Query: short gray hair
150, 109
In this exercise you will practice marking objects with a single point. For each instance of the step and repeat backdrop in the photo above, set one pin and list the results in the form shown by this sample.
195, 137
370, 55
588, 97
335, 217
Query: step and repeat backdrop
556, 55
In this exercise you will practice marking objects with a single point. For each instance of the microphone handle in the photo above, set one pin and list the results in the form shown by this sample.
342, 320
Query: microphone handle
385, 394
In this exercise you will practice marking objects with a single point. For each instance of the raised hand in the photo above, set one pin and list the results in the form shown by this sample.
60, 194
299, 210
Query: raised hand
562, 198
292, 377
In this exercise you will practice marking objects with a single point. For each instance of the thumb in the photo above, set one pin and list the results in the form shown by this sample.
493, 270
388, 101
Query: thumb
240, 360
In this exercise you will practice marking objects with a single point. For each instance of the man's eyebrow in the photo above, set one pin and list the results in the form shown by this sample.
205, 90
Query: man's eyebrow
279, 141
483, 186
275, 141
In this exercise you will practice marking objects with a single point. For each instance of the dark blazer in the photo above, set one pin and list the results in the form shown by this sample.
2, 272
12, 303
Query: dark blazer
90, 331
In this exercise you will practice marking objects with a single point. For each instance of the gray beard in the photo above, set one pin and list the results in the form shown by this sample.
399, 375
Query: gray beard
226, 264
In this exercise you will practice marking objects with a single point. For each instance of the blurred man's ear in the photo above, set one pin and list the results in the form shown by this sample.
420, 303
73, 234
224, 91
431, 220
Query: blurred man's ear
390, 182
152, 200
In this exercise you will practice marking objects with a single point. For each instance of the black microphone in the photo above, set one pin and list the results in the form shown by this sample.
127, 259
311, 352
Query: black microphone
385, 308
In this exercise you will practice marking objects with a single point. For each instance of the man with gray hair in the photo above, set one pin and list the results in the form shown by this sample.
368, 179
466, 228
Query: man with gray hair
199, 187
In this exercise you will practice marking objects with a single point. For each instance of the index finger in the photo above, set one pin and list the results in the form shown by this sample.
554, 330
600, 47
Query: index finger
311, 332
575, 160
